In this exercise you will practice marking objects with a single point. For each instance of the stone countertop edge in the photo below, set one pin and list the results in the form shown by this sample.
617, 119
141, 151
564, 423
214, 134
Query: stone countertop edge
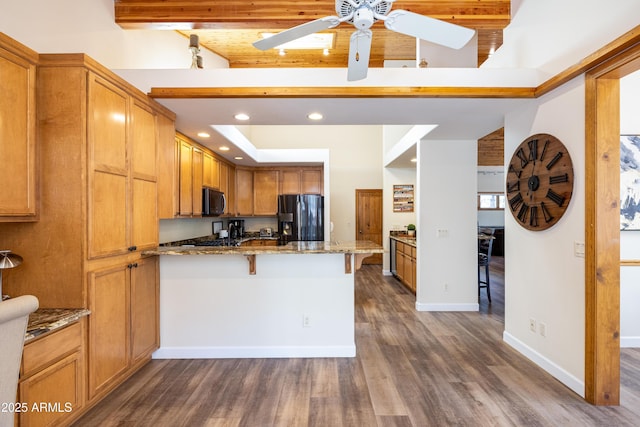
408, 240
45, 320
353, 247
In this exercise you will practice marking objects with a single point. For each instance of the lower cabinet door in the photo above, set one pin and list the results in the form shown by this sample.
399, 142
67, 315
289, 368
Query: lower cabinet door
144, 308
108, 327
53, 394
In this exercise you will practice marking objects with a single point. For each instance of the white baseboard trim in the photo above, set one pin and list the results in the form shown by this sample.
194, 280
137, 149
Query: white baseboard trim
447, 307
252, 352
629, 342
556, 371
386, 273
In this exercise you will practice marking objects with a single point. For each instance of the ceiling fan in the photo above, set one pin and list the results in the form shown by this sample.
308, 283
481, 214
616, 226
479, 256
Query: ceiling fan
362, 14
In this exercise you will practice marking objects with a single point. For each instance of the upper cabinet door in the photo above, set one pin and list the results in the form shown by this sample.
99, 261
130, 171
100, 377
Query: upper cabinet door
144, 142
18, 201
108, 169
107, 126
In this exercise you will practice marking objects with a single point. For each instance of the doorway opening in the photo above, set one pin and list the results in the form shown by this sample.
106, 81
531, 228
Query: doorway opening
602, 226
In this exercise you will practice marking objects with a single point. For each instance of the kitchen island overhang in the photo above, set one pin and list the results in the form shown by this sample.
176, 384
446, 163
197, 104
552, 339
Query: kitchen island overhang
295, 300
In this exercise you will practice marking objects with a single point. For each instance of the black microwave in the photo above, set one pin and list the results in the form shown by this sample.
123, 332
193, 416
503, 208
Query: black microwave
213, 202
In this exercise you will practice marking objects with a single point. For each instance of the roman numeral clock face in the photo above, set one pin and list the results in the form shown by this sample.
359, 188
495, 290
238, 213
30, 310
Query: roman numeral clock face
539, 182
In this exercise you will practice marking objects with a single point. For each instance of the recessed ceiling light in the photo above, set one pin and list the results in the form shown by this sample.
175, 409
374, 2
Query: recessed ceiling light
242, 116
203, 135
238, 157
224, 148
315, 116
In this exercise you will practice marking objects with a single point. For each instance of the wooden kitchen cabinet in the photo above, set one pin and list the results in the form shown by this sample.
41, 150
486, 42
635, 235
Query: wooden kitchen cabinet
244, 191
185, 177
406, 265
260, 242
123, 325
210, 171
123, 193
227, 176
196, 159
198, 167
143, 170
145, 302
301, 180
265, 192
311, 181
98, 137
53, 372
18, 143
108, 327
167, 168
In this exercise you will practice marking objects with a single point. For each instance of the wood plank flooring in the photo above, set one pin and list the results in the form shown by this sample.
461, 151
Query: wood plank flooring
412, 369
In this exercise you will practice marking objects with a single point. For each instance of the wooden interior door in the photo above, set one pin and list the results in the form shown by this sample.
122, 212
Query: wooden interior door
369, 220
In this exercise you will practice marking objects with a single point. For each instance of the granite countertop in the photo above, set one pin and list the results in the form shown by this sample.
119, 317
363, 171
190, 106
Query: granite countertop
45, 320
235, 242
405, 239
353, 247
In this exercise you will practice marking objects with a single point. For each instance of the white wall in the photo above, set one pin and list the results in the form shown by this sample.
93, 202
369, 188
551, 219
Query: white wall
543, 279
88, 26
447, 275
355, 163
630, 240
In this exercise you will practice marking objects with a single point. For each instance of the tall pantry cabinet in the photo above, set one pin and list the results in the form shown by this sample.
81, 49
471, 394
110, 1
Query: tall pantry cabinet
98, 137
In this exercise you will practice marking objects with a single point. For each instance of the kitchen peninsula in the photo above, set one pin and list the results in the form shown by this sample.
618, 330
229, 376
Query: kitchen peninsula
295, 300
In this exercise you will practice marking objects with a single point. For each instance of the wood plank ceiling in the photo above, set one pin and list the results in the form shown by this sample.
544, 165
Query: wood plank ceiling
228, 28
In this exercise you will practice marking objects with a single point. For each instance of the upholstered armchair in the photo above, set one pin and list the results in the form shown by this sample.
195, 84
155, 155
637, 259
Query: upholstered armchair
14, 315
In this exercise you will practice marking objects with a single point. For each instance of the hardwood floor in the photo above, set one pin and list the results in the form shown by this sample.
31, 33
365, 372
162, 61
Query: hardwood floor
412, 369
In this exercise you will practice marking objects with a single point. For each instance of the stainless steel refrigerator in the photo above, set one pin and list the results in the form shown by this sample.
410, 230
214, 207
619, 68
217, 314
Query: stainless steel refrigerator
301, 217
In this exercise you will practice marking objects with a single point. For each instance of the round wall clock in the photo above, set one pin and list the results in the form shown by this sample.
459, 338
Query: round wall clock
539, 182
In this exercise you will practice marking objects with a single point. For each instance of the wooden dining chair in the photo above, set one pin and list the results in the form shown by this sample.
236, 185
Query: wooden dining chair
485, 247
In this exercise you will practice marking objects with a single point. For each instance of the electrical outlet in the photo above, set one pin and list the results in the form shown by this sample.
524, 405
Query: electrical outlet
532, 325
306, 321
543, 329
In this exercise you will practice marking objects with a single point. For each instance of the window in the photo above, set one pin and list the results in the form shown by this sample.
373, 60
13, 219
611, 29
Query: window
491, 201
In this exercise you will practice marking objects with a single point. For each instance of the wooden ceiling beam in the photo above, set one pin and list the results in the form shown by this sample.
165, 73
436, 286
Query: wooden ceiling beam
207, 14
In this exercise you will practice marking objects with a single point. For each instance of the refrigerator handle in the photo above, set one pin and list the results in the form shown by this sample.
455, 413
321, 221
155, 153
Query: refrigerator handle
299, 217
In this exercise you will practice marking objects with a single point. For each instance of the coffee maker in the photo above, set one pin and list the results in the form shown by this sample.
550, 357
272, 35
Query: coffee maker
236, 228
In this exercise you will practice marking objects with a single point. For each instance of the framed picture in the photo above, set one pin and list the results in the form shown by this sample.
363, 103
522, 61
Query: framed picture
403, 198
630, 182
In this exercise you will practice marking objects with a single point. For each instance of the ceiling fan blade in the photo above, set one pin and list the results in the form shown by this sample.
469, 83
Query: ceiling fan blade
429, 29
297, 32
359, 50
